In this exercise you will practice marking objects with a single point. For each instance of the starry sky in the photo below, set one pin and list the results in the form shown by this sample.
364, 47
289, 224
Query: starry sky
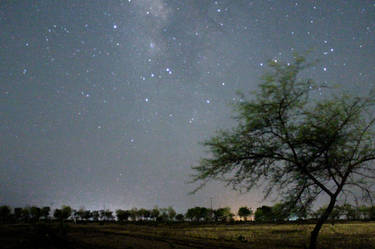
103, 104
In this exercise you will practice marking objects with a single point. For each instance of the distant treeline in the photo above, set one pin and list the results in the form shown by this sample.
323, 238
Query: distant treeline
277, 213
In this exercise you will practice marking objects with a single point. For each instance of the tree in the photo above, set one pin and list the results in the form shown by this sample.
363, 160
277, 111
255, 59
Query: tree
171, 213
108, 214
163, 217
95, 215
44, 212
372, 212
191, 214
79, 214
244, 212
134, 214
122, 215
4, 214
223, 214
57, 214
35, 213
25, 214
281, 212
62, 214
17, 213
300, 146
263, 214
180, 217
155, 213
349, 212
101, 214
66, 212
197, 214
87, 215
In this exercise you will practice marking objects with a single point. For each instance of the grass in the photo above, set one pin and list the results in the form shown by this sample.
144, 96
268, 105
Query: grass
360, 235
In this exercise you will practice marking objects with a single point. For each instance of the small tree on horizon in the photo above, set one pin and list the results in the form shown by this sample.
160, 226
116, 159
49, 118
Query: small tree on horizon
244, 212
155, 212
5, 212
44, 212
35, 213
63, 214
95, 215
122, 215
299, 147
171, 213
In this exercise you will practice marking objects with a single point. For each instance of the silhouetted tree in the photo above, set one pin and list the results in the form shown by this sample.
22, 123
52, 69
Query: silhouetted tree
349, 212
25, 214
79, 214
155, 213
102, 214
57, 214
142, 213
44, 212
301, 146
263, 214
35, 213
163, 217
62, 214
95, 215
17, 214
134, 214
180, 217
87, 215
244, 212
108, 214
147, 214
364, 212
5, 212
191, 214
333, 216
66, 212
122, 215
171, 213
372, 212
223, 214
281, 212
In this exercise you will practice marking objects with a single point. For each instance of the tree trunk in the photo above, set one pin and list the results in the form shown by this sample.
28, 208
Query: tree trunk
321, 221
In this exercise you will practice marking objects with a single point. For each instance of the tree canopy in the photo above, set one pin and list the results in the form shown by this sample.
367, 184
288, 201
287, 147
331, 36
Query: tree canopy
244, 212
298, 143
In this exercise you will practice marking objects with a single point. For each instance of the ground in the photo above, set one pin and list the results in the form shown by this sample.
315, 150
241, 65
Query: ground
356, 235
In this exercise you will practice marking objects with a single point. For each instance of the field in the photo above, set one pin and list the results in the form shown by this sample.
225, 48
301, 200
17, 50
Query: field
359, 235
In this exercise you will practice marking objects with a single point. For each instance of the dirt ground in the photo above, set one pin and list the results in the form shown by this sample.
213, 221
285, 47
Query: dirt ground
127, 236
97, 237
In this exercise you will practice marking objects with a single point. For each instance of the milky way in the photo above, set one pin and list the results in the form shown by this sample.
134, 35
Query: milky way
104, 103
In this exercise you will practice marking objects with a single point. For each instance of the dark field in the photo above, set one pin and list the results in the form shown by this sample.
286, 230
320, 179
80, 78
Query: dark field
184, 236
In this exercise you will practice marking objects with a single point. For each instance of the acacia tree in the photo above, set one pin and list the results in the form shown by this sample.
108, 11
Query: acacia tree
296, 142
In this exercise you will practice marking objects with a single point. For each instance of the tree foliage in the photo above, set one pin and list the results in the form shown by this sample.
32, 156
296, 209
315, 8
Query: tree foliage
298, 145
244, 212
263, 214
5, 212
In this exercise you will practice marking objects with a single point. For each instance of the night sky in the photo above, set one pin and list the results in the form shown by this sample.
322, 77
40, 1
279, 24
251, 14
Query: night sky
103, 104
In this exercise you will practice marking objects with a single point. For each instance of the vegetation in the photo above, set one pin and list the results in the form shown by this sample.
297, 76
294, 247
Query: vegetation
200, 227
301, 147
244, 212
277, 213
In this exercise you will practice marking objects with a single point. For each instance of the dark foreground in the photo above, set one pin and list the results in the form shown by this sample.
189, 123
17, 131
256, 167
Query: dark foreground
95, 236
